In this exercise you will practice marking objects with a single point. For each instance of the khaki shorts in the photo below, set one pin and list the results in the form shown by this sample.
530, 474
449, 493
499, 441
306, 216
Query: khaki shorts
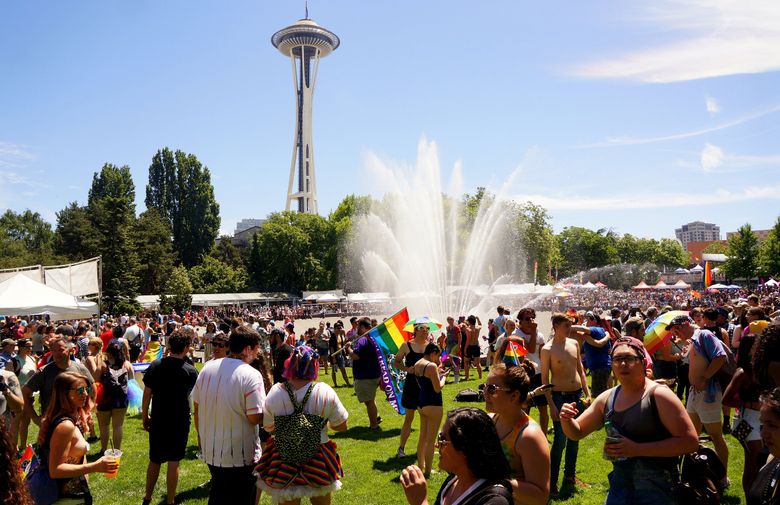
709, 413
366, 389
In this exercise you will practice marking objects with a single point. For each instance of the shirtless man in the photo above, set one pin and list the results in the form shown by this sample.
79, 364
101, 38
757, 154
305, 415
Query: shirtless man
472, 353
705, 398
562, 366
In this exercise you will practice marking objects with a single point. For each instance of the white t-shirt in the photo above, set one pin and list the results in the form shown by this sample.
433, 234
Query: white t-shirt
532, 357
132, 332
323, 401
227, 390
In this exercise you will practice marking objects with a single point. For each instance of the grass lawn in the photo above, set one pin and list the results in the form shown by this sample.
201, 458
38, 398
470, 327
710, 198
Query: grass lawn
370, 467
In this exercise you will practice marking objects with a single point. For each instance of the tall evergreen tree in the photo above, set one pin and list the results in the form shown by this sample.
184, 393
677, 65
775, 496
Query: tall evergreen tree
769, 252
742, 254
180, 189
155, 251
111, 208
75, 236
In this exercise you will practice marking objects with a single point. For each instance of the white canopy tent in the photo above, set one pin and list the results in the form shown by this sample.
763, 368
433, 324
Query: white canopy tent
771, 283
21, 295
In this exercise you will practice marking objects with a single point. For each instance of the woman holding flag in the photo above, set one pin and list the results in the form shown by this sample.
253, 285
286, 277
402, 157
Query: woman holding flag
409, 354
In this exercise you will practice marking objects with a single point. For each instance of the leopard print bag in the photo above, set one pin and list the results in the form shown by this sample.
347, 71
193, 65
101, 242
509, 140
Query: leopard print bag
297, 436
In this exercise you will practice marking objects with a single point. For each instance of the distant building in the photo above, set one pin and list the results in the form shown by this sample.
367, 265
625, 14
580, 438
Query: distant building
244, 237
697, 248
245, 224
760, 234
697, 231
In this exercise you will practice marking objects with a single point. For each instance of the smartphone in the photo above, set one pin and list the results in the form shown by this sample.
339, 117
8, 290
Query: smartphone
542, 389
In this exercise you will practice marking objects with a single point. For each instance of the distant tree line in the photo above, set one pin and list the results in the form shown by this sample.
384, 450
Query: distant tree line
171, 248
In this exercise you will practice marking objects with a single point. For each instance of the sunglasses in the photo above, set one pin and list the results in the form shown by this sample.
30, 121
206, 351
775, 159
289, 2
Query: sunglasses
528, 318
440, 440
628, 360
82, 390
492, 388
220, 346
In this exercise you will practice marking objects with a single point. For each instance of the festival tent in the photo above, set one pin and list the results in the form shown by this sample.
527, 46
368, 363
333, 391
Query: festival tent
771, 283
661, 285
680, 284
21, 295
328, 298
682, 271
641, 286
718, 286
697, 268
600, 285
588, 285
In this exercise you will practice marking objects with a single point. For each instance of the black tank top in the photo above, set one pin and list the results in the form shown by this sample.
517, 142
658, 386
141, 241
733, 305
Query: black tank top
411, 357
640, 422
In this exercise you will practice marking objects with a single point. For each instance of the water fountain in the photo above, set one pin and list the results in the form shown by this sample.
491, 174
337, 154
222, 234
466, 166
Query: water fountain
419, 246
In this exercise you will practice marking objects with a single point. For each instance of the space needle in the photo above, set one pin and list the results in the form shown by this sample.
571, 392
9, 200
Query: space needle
304, 42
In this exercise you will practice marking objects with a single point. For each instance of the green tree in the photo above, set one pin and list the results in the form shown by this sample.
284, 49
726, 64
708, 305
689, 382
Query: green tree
177, 291
341, 220
769, 252
180, 189
717, 247
111, 208
155, 251
537, 239
582, 249
670, 253
229, 254
742, 262
75, 236
25, 239
294, 252
214, 276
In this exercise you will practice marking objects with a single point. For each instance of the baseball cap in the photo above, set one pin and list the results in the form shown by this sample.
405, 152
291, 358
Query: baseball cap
722, 311
679, 321
8, 341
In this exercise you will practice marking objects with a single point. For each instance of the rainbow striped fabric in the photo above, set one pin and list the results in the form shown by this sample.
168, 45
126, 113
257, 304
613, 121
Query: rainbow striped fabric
707, 274
513, 353
390, 334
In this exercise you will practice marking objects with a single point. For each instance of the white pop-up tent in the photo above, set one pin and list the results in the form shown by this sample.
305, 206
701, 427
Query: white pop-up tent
21, 295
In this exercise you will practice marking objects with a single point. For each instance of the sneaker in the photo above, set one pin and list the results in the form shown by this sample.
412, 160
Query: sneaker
378, 419
400, 453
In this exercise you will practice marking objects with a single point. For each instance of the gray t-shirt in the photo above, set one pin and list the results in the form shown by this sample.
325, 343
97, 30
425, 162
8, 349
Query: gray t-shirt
43, 381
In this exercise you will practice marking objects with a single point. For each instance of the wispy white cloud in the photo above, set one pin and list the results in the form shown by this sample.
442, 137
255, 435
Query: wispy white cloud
717, 38
640, 200
713, 107
14, 155
711, 157
628, 141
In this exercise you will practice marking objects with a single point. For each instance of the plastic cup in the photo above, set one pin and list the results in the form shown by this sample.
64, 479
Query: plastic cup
117, 455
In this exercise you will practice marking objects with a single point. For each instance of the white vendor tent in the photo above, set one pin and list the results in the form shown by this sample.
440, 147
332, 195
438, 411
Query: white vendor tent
21, 295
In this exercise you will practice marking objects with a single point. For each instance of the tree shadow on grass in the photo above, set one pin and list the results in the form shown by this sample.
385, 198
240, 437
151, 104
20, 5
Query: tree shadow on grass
731, 500
366, 433
394, 464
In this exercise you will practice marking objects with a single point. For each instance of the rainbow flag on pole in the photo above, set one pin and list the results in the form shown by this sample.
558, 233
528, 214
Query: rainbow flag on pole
707, 274
513, 353
389, 336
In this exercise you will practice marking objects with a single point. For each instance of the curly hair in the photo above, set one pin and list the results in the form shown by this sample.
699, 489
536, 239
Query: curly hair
767, 349
771, 399
471, 431
13, 489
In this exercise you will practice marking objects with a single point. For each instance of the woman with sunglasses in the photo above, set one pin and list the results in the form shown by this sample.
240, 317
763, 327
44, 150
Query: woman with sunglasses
409, 353
430, 379
647, 430
470, 452
522, 440
62, 441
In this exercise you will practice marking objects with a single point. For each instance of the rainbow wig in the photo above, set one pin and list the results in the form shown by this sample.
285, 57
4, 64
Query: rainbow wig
302, 364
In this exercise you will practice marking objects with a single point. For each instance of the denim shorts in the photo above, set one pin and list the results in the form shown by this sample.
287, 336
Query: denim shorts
637, 481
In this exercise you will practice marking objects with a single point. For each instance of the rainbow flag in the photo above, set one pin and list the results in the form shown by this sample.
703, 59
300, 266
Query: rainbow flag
152, 352
390, 334
513, 353
707, 274
388, 337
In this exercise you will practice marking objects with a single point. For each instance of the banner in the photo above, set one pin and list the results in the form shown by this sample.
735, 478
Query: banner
388, 337
77, 279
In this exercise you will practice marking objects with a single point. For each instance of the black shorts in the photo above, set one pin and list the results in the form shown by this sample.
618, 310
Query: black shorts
166, 444
411, 395
537, 401
472, 351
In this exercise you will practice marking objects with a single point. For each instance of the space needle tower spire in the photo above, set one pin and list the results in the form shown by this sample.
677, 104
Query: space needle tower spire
304, 42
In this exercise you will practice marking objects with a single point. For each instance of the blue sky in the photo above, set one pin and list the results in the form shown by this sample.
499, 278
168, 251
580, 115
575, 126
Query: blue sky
638, 116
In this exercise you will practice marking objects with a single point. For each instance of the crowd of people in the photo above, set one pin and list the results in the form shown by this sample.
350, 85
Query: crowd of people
263, 413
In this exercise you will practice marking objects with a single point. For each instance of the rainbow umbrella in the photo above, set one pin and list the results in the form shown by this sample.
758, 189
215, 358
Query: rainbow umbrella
656, 335
433, 324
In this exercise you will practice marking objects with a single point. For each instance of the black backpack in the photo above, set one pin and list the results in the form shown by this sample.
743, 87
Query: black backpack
701, 474
469, 395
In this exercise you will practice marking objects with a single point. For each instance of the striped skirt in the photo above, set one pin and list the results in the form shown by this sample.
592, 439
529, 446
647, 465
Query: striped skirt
284, 482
